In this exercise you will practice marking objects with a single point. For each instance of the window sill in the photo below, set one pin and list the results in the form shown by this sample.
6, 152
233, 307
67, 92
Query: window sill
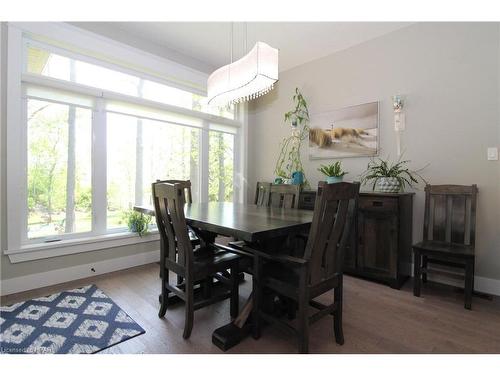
48, 250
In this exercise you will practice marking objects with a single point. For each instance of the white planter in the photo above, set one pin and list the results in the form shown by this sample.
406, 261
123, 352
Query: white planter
387, 185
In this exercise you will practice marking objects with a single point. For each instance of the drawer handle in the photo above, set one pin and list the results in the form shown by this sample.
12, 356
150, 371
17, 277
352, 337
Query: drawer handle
377, 204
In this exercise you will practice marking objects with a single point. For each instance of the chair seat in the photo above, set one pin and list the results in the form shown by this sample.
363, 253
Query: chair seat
288, 274
445, 248
193, 237
207, 262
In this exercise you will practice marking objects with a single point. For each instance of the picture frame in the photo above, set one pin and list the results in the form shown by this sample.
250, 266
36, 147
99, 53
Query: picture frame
346, 132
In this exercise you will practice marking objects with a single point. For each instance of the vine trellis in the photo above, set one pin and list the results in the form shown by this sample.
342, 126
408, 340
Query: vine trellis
289, 157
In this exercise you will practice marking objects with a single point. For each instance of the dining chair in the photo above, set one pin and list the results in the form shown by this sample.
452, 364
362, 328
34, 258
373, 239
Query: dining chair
284, 196
270, 195
302, 279
449, 235
262, 192
198, 267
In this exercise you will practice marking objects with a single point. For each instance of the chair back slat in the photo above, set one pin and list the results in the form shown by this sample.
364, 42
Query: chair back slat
284, 196
186, 186
169, 201
450, 214
332, 219
262, 193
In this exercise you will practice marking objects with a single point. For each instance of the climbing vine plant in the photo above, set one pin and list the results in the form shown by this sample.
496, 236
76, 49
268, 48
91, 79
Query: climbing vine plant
289, 158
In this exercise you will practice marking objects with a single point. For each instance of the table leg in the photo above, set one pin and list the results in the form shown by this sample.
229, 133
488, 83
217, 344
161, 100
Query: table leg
231, 334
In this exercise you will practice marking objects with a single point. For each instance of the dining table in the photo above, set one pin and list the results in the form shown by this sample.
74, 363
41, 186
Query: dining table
257, 226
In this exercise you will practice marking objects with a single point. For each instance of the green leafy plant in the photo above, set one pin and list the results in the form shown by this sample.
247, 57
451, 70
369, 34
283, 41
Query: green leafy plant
300, 114
379, 168
138, 222
333, 170
289, 158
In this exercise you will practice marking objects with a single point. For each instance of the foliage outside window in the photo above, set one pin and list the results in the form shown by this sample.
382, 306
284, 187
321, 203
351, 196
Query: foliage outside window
142, 145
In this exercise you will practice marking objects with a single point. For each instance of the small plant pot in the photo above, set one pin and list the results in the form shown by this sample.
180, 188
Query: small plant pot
297, 178
388, 185
334, 179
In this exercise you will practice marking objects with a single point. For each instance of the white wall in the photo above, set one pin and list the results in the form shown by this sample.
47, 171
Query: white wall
449, 73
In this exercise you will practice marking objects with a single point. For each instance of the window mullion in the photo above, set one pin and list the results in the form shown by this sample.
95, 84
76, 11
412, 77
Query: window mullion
99, 168
203, 162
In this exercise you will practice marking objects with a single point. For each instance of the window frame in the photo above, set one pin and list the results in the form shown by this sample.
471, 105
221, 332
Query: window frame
19, 247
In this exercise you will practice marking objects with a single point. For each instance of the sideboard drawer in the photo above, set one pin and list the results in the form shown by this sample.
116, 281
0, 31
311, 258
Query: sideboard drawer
378, 203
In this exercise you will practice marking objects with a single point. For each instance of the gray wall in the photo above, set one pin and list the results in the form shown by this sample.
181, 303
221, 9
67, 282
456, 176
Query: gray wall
9, 270
449, 73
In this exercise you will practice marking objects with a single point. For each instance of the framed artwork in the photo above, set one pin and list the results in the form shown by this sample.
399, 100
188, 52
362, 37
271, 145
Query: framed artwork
346, 132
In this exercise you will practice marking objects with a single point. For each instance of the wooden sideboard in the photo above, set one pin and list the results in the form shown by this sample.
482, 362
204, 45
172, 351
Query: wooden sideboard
381, 239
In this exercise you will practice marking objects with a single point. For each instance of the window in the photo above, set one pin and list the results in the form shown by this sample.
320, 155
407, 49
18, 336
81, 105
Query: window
53, 65
221, 167
142, 151
59, 169
92, 140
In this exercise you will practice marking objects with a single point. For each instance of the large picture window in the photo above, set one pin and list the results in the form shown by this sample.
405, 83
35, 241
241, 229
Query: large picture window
92, 141
59, 169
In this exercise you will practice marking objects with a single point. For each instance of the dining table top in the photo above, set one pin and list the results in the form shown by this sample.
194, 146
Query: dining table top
247, 222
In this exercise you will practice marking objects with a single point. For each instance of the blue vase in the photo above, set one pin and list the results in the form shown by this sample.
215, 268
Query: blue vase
334, 179
297, 178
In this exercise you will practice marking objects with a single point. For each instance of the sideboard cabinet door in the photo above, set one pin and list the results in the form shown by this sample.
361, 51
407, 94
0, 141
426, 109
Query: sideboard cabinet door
377, 243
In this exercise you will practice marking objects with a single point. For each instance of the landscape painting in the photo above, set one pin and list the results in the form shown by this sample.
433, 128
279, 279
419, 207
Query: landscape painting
347, 132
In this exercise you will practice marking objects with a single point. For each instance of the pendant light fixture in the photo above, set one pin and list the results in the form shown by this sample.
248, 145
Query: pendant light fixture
251, 76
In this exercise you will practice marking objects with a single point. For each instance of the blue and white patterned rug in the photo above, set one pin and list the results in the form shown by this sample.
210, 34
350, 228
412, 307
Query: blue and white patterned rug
82, 320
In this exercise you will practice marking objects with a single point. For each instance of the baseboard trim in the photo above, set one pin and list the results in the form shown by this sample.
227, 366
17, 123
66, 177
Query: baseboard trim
481, 284
43, 279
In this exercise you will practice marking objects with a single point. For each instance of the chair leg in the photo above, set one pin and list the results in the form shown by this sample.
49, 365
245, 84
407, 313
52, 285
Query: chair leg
180, 279
417, 272
424, 265
234, 309
207, 287
257, 298
189, 309
469, 284
337, 317
303, 320
164, 294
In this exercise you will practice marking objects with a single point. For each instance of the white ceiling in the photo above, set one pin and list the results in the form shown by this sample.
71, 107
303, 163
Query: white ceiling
206, 45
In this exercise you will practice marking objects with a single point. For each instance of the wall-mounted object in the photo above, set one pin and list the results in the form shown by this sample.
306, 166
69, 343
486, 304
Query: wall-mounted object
346, 132
399, 119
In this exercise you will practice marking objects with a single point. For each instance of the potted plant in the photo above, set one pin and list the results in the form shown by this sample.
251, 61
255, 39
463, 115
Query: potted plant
289, 164
333, 172
388, 177
137, 222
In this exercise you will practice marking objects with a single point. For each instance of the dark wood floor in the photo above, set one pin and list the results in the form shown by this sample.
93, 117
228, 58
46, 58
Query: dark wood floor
377, 319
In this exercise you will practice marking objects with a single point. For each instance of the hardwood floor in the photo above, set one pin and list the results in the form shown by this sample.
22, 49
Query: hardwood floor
377, 319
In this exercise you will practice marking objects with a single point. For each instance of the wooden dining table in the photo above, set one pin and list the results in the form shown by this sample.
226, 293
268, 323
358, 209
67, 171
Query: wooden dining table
256, 225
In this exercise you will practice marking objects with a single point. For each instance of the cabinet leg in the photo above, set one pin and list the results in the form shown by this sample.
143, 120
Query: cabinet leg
417, 273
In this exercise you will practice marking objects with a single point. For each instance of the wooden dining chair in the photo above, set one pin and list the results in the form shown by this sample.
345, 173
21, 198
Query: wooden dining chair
285, 196
270, 195
302, 279
449, 235
177, 255
262, 193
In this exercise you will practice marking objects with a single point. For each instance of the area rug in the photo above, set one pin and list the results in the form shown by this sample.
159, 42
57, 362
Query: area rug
83, 320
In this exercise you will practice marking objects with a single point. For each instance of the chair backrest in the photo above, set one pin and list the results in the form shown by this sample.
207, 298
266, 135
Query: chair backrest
186, 185
262, 193
334, 212
284, 196
169, 200
450, 214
